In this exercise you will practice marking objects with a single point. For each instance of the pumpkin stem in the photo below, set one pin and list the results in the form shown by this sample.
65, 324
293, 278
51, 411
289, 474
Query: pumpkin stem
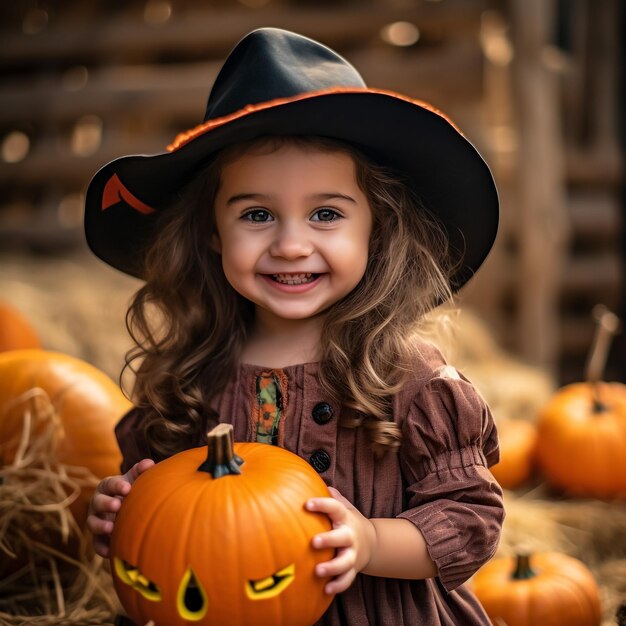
607, 326
523, 570
221, 458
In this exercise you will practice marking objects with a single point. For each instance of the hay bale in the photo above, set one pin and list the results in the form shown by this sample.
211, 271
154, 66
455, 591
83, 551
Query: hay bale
76, 304
50, 575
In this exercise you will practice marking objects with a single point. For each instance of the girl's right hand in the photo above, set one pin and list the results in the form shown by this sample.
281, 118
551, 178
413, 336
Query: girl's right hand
106, 502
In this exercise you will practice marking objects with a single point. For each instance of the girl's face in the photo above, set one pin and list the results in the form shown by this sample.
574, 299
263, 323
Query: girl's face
293, 229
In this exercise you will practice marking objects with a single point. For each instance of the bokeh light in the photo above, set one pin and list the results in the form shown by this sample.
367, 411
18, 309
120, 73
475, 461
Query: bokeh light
15, 147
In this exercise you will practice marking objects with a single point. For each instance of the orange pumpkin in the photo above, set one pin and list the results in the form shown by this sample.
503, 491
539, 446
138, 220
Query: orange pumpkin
549, 589
219, 535
16, 332
518, 440
581, 443
86, 402
581, 446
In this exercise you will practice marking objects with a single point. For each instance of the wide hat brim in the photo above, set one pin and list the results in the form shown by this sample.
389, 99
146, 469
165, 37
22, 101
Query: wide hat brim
446, 171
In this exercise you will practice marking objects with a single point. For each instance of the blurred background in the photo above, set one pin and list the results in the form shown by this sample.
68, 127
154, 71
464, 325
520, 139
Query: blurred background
536, 85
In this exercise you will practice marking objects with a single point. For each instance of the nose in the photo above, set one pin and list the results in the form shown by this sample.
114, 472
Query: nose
291, 241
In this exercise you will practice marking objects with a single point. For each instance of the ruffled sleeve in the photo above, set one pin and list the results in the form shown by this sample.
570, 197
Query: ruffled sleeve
449, 441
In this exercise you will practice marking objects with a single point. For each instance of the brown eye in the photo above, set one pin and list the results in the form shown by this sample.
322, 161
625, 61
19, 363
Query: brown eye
257, 215
325, 215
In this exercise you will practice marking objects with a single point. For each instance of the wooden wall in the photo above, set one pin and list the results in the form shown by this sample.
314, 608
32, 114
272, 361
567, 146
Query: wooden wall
89, 81
85, 82
554, 103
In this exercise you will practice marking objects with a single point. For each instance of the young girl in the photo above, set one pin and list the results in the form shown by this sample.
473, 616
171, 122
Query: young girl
291, 247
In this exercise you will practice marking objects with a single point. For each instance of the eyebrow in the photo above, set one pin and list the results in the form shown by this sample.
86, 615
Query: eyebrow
317, 196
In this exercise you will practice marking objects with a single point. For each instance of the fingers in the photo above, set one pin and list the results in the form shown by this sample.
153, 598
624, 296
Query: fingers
349, 537
335, 509
341, 569
112, 486
340, 583
102, 545
139, 468
342, 540
100, 525
112, 489
341, 537
343, 562
106, 502
100, 520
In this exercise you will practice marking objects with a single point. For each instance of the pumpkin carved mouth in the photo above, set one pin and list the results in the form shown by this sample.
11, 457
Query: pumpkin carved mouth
271, 585
130, 575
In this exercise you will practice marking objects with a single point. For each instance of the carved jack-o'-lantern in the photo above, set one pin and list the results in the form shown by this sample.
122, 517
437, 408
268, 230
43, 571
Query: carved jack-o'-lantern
220, 536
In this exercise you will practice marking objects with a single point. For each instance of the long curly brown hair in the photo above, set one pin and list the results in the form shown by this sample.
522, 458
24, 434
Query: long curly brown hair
189, 325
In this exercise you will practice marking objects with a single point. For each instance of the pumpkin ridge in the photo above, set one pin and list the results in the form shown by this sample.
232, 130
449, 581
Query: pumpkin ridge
572, 588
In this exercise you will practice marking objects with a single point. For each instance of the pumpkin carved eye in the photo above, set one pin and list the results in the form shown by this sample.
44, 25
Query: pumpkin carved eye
191, 600
130, 575
271, 585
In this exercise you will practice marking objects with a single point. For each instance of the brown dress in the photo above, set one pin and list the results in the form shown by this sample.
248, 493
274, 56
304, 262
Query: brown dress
438, 479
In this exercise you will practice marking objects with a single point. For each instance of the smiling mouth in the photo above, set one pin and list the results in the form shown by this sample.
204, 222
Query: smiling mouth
302, 278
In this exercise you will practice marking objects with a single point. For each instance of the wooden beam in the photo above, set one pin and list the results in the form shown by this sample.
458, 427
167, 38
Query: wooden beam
543, 223
179, 91
49, 164
593, 278
213, 31
595, 217
595, 167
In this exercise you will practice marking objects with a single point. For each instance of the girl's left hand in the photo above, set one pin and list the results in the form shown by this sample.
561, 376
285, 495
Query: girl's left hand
353, 536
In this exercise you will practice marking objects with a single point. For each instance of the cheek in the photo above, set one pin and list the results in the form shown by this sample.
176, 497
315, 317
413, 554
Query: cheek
238, 263
352, 254
230, 268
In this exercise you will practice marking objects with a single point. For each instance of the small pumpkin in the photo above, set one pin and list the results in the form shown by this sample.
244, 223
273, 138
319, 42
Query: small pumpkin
543, 589
85, 401
219, 535
16, 332
581, 442
518, 440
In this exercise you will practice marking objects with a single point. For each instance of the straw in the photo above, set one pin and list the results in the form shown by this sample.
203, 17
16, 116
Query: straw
41, 584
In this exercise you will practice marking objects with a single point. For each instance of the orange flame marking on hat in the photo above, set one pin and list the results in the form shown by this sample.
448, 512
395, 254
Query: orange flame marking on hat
185, 137
115, 191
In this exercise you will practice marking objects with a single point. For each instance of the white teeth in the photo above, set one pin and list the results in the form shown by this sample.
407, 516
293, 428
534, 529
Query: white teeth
294, 279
